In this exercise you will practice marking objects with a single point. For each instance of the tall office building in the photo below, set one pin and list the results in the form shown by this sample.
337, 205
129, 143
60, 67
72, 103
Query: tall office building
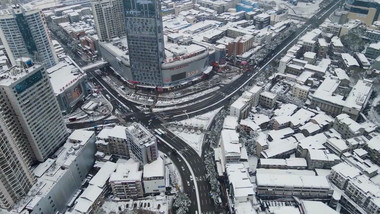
28, 92
15, 176
109, 18
145, 38
24, 33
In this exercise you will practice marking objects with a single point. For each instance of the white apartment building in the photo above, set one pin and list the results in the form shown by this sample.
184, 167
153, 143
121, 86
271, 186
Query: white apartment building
154, 178
109, 18
240, 108
143, 144
230, 146
28, 92
126, 180
24, 33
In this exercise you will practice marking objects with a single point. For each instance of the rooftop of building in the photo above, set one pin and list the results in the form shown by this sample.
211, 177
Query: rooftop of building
140, 134
126, 171
65, 74
49, 172
154, 169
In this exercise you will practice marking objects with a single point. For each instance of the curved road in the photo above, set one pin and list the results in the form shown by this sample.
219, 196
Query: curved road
215, 100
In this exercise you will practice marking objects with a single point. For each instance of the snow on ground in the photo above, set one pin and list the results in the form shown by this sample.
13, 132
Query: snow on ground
190, 130
194, 140
303, 9
185, 99
177, 106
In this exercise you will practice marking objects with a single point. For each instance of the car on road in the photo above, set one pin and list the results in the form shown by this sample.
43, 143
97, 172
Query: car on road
183, 168
188, 183
191, 177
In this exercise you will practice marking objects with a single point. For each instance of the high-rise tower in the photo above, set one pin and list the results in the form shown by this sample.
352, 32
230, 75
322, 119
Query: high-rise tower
145, 38
15, 176
29, 95
24, 33
109, 18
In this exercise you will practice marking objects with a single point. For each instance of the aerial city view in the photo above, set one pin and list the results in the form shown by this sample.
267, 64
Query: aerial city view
189, 106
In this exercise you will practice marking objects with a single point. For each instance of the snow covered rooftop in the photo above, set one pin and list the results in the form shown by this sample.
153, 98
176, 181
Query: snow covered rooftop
359, 95
285, 110
154, 169
280, 147
317, 207
126, 171
103, 174
349, 60
292, 181
346, 170
239, 178
230, 122
65, 74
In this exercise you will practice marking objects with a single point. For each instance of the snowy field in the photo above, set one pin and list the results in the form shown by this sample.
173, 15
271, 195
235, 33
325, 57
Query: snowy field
191, 130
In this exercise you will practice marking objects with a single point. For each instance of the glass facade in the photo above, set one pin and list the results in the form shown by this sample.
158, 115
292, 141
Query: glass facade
145, 40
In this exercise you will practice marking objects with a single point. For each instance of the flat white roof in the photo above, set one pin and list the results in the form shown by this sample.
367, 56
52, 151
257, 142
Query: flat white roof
230, 122
268, 94
286, 180
317, 207
154, 169
81, 135
103, 174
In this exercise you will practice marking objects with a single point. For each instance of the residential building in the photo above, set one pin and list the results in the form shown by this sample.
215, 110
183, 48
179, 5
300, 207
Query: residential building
230, 147
268, 99
240, 45
24, 33
255, 91
373, 50
321, 159
126, 181
59, 178
240, 108
341, 173
347, 127
93, 196
26, 89
142, 143
154, 178
300, 91
145, 41
262, 20
109, 18
373, 148
282, 184
241, 187
289, 163
15, 175
113, 141
326, 98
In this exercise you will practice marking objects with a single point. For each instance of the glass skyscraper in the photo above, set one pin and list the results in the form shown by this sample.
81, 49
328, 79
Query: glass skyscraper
145, 40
